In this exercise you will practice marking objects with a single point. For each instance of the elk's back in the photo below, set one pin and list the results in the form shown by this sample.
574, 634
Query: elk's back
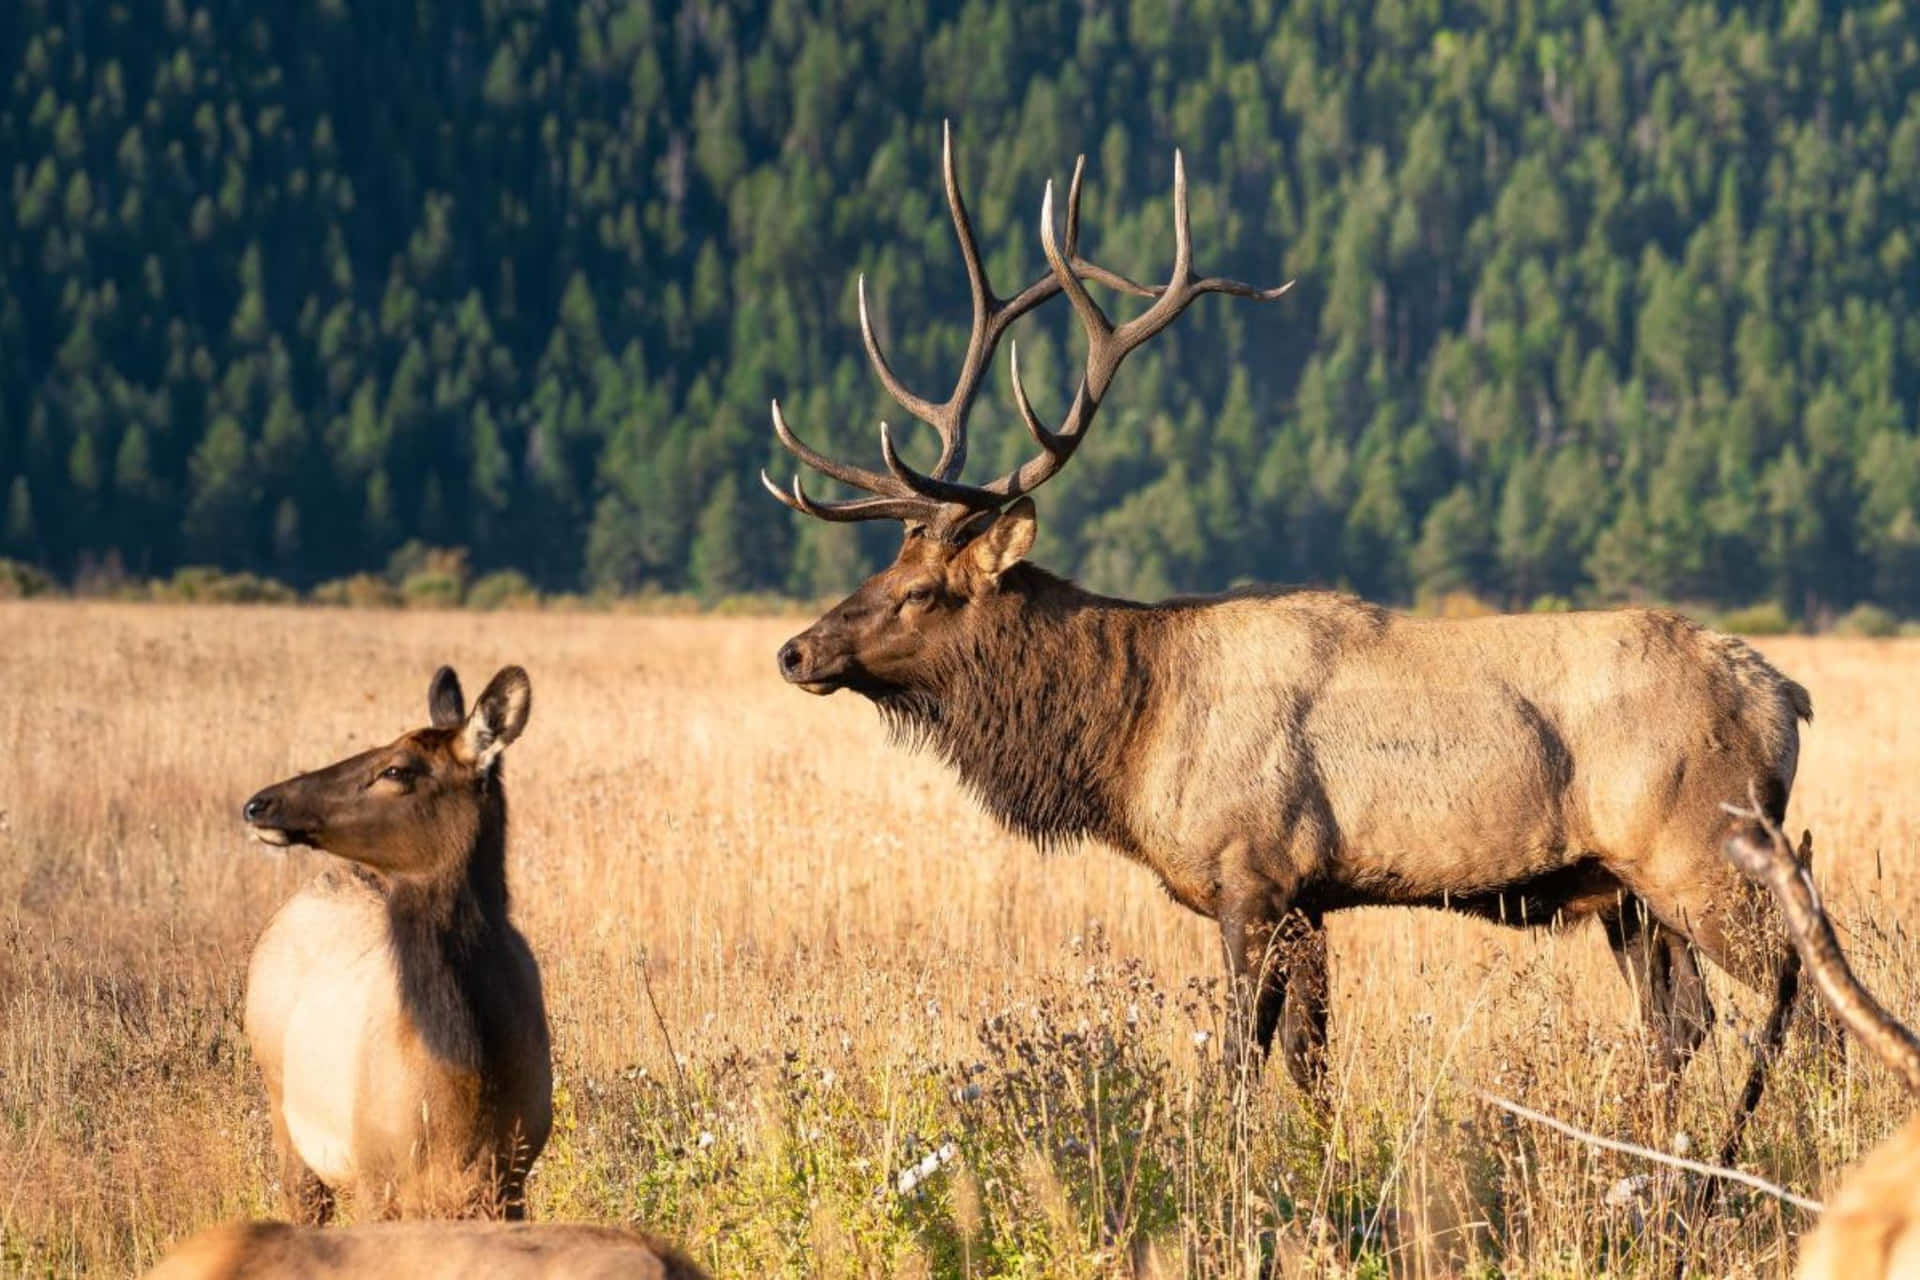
1411, 758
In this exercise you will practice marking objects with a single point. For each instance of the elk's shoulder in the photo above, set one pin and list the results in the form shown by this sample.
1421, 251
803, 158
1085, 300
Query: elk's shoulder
1304, 606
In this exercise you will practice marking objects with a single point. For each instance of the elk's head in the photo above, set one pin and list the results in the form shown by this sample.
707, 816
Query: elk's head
903, 619
961, 539
415, 803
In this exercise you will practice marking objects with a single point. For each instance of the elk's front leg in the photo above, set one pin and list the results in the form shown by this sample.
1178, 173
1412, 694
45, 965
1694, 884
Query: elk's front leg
1286, 972
1243, 940
308, 1201
1271, 950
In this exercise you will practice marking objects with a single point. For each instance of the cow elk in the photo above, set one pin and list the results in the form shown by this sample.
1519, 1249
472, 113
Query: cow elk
424, 1251
1275, 756
393, 1008
1870, 1229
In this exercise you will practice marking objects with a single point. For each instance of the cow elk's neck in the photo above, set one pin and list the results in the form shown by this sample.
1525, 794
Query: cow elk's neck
444, 925
1042, 708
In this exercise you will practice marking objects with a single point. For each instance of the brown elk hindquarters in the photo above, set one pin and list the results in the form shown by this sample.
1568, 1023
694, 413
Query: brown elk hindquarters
1870, 1228
424, 1251
395, 1011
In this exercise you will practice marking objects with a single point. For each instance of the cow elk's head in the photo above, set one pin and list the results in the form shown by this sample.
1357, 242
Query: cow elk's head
416, 803
961, 538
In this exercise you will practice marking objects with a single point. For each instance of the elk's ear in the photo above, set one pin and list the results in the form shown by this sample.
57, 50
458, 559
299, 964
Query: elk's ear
446, 705
1005, 541
497, 718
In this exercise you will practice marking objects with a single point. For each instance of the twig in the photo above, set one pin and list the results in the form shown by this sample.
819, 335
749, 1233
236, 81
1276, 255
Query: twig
1648, 1153
680, 1091
1426, 1103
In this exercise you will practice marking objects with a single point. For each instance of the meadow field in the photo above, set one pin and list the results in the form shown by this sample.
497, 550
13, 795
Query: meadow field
787, 961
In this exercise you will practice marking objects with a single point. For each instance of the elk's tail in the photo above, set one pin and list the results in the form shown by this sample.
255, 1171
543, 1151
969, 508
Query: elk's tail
1798, 698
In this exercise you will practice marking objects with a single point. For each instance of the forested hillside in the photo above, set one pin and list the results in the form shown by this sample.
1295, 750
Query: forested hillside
1594, 301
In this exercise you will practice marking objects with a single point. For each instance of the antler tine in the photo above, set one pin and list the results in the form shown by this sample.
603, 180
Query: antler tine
1766, 857
1092, 318
845, 473
910, 510
918, 406
977, 285
1183, 287
1041, 436
1182, 227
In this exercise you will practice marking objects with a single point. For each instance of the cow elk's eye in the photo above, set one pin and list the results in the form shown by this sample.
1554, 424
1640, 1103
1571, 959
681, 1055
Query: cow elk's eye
395, 773
922, 594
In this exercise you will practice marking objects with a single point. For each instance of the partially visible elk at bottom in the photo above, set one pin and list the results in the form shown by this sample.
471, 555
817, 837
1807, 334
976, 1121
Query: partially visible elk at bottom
424, 1251
393, 1008
1871, 1226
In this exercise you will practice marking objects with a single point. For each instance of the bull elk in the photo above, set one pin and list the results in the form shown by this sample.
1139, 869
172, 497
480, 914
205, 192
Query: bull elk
1871, 1226
424, 1251
393, 1008
1275, 756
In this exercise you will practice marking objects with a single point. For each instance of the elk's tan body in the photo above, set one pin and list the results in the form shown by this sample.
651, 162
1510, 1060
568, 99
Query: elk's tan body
1341, 753
1276, 756
395, 1012
423, 1251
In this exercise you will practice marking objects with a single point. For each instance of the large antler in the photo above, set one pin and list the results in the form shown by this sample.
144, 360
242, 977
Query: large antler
1759, 849
937, 500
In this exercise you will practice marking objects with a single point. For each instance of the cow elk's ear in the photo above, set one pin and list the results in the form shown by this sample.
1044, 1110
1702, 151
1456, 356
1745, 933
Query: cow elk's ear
446, 705
1005, 542
497, 718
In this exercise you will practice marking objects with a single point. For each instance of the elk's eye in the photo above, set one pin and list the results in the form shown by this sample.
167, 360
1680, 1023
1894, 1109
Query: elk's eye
394, 773
921, 594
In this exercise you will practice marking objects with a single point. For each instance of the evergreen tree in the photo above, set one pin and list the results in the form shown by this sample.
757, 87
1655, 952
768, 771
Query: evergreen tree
720, 548
1604, 304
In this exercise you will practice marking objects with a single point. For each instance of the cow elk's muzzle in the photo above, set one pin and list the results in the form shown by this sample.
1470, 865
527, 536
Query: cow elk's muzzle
267, 821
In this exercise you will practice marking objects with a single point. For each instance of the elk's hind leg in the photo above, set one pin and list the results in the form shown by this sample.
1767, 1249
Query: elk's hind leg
1660, 966
1739, 929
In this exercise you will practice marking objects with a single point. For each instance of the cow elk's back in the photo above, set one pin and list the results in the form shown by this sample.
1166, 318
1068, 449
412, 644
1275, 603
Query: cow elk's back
394, 1010
424, 1251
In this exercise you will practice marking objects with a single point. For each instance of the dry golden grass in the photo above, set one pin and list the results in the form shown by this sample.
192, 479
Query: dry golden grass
854, 967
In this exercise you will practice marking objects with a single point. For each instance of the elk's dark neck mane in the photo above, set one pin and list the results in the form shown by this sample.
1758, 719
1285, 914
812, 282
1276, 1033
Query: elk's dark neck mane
1040, 708
449, 933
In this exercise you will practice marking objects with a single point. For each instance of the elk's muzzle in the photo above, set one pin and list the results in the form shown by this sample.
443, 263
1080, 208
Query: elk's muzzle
801, 664
268, 821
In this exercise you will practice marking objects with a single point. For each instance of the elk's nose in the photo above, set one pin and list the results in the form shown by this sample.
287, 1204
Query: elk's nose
257, 809
791, 658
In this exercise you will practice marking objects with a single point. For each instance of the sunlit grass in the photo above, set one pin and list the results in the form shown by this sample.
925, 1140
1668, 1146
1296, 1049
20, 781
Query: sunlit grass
857, 975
